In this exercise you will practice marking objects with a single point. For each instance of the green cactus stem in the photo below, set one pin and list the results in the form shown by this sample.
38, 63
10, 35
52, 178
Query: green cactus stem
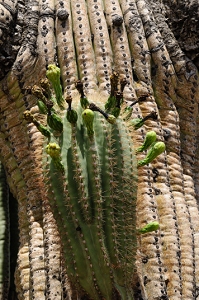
30, 118
53, 74
152, 226
155, 150
87, 203
150, 138
139, 122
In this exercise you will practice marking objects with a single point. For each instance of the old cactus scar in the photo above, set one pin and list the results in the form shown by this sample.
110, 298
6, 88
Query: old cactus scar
91, 174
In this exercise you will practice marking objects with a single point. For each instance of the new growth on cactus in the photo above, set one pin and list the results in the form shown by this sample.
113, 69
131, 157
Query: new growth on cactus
53, 74
91, 175
155, 150
150, 138
152, 226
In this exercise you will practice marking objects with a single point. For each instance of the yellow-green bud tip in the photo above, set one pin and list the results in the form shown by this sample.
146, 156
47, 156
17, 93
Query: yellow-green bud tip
111, 119
88, 115
53, 150
53, 69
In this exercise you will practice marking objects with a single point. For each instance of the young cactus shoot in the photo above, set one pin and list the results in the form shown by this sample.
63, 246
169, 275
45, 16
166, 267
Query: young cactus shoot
53, 74
150, 138
154, 151
150, 227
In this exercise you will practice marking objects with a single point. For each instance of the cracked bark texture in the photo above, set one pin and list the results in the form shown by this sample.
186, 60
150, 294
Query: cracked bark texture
154, 45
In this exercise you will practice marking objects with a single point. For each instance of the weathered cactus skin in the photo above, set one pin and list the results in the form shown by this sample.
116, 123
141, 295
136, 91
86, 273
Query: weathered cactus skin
86, 41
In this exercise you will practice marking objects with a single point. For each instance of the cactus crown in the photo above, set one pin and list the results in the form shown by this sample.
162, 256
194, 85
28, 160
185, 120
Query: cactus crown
90, 172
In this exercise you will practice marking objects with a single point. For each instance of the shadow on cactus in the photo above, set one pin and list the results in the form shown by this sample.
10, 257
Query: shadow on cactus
91, 174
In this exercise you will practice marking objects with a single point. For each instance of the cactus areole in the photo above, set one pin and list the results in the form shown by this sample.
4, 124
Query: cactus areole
90, 171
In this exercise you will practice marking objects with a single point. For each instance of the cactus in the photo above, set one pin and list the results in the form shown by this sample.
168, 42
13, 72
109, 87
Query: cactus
53, 74
90, 40
92, 177
82, 176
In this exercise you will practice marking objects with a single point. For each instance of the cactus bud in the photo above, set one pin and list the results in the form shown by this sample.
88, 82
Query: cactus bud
30, 118
152, 226
116, 112
155, 150
55, 122
88, 117
42, 107
150, 138
43, 130
53, 74
111, 119
111, 102
54, 151
72, 116
37, 92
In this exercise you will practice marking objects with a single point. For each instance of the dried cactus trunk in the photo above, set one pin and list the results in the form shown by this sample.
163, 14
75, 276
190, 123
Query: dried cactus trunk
87, 39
